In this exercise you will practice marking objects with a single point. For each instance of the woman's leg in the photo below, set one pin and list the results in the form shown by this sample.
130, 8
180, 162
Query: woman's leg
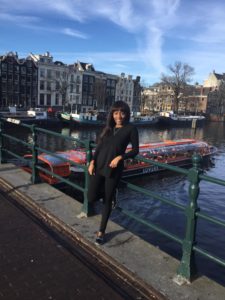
110, 187
95, 186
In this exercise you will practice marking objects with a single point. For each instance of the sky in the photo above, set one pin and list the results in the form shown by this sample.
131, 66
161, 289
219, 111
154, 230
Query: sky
135, 37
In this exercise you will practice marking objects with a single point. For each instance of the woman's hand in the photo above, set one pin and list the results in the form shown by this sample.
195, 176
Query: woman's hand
91, 168
115, 161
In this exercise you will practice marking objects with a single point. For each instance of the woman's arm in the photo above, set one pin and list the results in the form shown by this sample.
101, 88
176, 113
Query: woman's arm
134, 140
91, 167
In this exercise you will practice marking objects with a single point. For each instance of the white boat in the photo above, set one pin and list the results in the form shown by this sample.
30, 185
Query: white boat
84, 119
170, 118
144, 120
37, 113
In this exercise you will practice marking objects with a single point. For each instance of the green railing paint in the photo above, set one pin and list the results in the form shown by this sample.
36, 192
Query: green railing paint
187, 268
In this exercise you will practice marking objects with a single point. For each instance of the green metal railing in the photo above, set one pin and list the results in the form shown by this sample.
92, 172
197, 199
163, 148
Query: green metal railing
187, 269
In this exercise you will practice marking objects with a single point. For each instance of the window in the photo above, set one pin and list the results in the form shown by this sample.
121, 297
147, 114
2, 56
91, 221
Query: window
64, 75
48, 86
48, 99
85, 88
4, 76
42, 99
85, 78
10, 68
57, 85
23, 70
42, 85
49, 73
4, 86
77, 88
56, 99
4, 67
28, 89
90, 100
42, 73
57, 74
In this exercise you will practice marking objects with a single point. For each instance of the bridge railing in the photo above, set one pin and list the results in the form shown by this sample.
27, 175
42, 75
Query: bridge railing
187, 268
35, 150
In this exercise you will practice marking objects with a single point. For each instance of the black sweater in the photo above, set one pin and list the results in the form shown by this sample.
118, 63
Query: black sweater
113, 145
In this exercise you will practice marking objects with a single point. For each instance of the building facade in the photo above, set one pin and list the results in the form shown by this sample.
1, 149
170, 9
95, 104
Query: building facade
18, 81
52, 81
125, 89
39, 81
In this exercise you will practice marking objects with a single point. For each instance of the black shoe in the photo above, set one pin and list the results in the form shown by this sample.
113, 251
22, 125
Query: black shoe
99, 240
115, 199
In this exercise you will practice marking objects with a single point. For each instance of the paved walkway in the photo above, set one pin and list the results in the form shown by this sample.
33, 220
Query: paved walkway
131, 259
37, 264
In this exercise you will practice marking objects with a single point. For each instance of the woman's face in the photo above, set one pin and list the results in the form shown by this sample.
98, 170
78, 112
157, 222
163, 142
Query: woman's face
119, 117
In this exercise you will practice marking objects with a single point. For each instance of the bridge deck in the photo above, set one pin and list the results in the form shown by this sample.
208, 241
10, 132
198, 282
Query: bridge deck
134, 261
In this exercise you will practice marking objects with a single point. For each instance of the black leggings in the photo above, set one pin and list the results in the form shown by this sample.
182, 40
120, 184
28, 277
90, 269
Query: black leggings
100, 185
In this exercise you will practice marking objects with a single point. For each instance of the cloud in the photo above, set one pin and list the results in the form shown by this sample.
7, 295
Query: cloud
18, 19
74, 33
164, 30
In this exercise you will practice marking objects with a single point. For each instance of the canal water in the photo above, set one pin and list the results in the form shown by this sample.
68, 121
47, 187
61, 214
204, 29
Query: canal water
211, 200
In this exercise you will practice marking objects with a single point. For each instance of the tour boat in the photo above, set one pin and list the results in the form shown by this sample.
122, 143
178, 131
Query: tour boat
176, 152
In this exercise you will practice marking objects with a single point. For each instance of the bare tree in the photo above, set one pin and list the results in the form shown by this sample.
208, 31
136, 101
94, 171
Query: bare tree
181, 75
62, 86
220, 99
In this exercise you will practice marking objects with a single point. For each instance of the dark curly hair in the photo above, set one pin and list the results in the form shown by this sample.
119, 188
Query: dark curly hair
110, 123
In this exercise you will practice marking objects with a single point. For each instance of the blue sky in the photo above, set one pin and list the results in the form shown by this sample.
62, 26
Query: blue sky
137, 37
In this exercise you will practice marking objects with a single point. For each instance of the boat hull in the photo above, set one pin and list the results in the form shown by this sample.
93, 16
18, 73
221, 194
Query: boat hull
182, 122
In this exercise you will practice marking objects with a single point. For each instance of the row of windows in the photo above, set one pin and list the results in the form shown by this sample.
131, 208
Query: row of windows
46, 99
52, 74
20, 101
16, 68
16, 77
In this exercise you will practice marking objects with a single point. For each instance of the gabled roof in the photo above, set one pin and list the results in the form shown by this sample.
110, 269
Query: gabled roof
85, 66
219, 76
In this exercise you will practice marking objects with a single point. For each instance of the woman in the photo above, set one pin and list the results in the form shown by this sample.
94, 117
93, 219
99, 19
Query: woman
107, 165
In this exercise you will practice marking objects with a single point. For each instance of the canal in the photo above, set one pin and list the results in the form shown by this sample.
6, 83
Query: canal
211, 200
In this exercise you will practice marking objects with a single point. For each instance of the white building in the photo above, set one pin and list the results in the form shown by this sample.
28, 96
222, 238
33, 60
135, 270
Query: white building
52, 80
74, 91
125, 89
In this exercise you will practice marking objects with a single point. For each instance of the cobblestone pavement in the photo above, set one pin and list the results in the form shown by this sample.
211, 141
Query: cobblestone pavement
37, 264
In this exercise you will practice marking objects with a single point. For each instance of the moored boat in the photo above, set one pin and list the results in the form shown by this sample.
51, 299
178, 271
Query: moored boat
177, 153
84, 119
144, 120
50, 163
172, 119
65, 117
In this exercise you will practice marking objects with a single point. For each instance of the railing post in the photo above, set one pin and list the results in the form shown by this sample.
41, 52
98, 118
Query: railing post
1, 141
35, 173
187, 269
87, 208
